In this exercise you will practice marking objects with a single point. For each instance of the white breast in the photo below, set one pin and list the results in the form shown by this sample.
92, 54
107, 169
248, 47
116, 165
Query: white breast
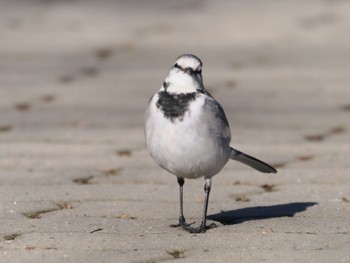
185, 148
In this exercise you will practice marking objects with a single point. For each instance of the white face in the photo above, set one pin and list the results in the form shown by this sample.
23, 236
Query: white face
189, 62
186, 75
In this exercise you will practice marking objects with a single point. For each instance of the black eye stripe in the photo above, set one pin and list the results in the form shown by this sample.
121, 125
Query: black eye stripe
199, 71
177, 66
189, 70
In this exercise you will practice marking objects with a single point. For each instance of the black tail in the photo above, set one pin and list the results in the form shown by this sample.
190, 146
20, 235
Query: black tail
251, 161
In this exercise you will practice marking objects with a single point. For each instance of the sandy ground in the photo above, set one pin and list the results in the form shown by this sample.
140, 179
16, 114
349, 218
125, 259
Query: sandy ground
76, 181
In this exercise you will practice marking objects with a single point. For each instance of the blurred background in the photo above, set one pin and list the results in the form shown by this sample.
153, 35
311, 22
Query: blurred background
76, 77
68, 65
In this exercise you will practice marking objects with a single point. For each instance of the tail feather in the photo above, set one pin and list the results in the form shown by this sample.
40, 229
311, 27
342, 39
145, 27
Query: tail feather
251, 161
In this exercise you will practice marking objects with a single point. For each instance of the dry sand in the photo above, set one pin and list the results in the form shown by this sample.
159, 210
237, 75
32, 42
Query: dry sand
76, 181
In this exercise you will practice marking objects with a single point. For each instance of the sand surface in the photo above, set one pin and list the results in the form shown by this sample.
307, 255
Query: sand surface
76, 181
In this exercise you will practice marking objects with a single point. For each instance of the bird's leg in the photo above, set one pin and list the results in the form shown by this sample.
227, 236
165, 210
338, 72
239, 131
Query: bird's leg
182, 221
207, 188
203, 227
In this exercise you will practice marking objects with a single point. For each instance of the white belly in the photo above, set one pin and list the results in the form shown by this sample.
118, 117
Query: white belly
185, 148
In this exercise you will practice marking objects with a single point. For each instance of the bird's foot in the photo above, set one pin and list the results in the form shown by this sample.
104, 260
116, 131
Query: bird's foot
201, 229
182, 223
188, 227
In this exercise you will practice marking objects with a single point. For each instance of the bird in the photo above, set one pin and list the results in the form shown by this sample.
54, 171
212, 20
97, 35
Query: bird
188, 135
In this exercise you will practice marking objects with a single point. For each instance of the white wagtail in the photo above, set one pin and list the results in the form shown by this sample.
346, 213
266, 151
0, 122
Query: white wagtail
187, 132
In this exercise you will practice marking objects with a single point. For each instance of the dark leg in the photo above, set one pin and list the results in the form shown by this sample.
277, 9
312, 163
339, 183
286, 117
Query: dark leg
182, 221
207, 187
203, 227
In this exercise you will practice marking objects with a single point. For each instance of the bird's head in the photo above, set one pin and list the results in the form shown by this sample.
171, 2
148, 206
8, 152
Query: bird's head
185, 76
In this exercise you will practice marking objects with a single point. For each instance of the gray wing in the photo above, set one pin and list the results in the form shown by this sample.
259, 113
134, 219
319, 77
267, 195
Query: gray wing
216, 118
251, 161
218, 125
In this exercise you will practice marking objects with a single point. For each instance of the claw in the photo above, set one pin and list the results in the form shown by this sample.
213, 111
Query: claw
182, 223
187, 227
201, 229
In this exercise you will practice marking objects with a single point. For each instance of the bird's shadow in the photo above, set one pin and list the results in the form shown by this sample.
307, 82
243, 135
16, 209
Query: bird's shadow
260, 212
